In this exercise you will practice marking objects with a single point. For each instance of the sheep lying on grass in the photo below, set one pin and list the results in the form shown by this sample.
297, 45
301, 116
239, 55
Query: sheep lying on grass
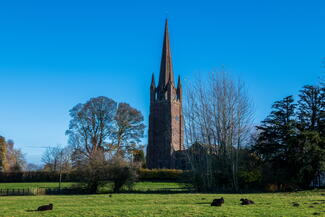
246, 201
217, 202
45, 207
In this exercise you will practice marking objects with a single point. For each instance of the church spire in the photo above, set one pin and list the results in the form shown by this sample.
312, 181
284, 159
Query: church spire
166, 67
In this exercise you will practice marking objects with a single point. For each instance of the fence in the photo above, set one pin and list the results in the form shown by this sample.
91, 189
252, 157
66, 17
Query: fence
78, 191
18, 192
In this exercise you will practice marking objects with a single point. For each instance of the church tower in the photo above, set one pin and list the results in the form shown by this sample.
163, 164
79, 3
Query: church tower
166, 133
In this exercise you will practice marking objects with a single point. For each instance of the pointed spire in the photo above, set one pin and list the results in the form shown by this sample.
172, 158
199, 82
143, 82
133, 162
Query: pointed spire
166, 67
153, 81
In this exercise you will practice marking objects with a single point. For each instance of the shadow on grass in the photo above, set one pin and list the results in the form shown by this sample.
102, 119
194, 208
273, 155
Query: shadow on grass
203, 203
156, 192
323, 201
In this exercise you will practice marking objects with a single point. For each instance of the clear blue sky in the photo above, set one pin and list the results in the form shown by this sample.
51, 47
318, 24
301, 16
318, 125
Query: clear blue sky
55, 54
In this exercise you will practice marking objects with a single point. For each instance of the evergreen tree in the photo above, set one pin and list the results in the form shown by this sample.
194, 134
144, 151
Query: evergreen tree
275, 134
306, 158
310, 158
310, 108
291, 143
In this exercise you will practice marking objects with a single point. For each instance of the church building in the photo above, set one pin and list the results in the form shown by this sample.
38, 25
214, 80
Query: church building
166, 124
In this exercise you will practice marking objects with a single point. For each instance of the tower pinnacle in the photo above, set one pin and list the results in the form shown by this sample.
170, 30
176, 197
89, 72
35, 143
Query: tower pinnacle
179, 85
153, 85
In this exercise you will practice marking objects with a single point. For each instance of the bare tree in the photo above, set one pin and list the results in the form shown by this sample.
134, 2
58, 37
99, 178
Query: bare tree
219, 116
57, 159
128, 129
91, 125
100, 126
50, 158
18, 162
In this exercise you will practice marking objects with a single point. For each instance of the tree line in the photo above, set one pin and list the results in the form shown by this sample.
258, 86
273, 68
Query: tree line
290, 142
228, 153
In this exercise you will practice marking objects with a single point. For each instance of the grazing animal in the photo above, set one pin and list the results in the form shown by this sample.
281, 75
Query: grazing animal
246, 201
45, 207
218, 202
295, 204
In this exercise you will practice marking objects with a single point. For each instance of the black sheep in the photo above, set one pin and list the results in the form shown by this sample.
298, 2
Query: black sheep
45, 207
246, 201
217, 202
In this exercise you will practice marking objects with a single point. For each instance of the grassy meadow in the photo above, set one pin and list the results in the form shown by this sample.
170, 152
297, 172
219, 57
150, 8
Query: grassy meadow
278, 204
311, 203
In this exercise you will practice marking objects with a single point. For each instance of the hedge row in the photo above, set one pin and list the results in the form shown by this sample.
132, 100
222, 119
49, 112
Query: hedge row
163, 174
40, 176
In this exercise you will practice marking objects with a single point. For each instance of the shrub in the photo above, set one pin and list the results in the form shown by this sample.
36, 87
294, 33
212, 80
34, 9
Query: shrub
99, 171
249, 178
121, 173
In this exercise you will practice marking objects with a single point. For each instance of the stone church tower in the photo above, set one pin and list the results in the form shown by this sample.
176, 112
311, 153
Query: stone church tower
166, 133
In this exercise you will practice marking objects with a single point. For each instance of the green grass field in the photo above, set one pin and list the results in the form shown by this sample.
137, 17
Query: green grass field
312, 203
